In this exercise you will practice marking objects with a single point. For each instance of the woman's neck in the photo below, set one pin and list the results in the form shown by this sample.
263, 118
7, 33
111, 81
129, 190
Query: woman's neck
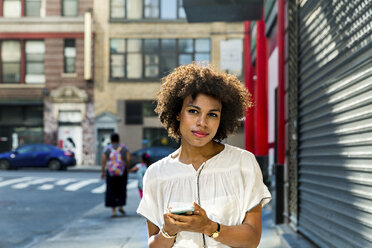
198, 155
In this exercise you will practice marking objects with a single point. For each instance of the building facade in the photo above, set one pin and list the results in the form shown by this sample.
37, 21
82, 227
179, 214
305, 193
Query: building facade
44, 95
137, 43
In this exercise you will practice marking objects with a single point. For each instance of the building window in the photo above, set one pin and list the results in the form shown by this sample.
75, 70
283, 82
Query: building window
154, 58
12, 8
15, 8
117, 9
149, 109
69, 7
69, 56
32, 7
147, 9
35, 51
133, 113
11, 61
238, 72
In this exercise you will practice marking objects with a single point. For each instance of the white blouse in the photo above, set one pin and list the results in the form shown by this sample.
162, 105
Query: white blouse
226, 186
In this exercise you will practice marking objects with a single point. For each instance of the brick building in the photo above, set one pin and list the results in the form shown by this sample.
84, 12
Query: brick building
44, 95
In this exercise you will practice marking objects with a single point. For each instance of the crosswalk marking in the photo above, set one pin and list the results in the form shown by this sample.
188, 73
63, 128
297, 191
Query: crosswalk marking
65, 181
101, 189
46, 187
13, 181
81, 184
51, 183
33, 182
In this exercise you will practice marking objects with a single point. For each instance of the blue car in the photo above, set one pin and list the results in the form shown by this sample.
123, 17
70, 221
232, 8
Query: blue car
37, 155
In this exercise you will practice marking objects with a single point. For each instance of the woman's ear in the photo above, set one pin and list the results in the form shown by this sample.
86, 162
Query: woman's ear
178, 118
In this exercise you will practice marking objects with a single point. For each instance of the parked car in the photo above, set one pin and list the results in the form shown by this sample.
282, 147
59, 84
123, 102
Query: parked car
156, 153
37, 155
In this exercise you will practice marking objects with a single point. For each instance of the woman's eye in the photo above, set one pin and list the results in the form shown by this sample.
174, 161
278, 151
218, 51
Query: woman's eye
213, 115
193, 111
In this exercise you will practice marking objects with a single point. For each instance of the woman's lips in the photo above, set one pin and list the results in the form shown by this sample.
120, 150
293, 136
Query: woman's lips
199, 134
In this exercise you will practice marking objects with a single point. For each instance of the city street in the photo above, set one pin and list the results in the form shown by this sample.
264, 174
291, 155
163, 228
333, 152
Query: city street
38, 203
64, 209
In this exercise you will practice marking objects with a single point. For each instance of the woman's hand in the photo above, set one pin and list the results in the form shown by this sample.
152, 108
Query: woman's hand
198, 221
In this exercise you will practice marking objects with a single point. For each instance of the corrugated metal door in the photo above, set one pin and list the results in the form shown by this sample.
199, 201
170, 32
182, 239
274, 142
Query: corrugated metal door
335, 122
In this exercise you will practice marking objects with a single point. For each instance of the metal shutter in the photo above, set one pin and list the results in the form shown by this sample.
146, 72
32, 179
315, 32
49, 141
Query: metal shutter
335, 122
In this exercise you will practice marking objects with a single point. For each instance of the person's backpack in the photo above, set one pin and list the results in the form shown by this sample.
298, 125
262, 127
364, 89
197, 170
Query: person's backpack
115, 165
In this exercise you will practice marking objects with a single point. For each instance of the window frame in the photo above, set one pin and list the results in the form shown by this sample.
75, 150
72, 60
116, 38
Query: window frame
23, 8
34, 61
160, 53
63, 10
21, 50
65, 57
143, 17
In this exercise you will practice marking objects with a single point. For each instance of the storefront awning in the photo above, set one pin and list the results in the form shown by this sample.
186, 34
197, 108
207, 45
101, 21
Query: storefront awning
222, 10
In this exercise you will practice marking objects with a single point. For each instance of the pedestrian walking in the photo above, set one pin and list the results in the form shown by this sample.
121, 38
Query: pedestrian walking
140, 169
115, 161
206, 193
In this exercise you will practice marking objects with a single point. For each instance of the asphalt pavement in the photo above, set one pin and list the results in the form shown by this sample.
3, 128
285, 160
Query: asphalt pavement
97, 229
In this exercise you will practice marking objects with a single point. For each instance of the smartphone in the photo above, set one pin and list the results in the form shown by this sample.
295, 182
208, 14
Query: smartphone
182, 210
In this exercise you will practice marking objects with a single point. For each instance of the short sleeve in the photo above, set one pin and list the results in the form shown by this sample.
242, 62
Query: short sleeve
256, 192
148, 206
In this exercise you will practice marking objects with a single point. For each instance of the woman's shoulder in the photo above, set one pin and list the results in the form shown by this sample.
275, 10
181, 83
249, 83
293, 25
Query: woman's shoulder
237, 152
159, 165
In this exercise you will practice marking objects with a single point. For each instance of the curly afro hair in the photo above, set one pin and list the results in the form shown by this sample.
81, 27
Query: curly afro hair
194, 79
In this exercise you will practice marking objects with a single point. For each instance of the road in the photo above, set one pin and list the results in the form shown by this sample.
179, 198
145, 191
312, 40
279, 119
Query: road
38, 203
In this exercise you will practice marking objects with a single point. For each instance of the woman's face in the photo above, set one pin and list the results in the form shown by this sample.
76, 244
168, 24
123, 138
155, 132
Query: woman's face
199, 119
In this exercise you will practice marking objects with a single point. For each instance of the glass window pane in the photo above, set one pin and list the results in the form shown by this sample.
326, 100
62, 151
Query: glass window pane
169, 62
151, 59
70, 56
185, 45
118, 8
168, 9
151, 71
117, 72
200, 57
168, 45
117, 66
134, 9
151, 45
10, 51
149, 109
70, 7
133, 113
35, 68
70, 65
134, 66
32, 7
35, 78
117, 45
11, 8
13, 114
151, 8
11, 72
202, 45
184, 59
35, 46
134, 45
117, 60
181, 10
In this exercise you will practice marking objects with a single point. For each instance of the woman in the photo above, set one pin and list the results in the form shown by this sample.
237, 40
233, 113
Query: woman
200, 107
114, 167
